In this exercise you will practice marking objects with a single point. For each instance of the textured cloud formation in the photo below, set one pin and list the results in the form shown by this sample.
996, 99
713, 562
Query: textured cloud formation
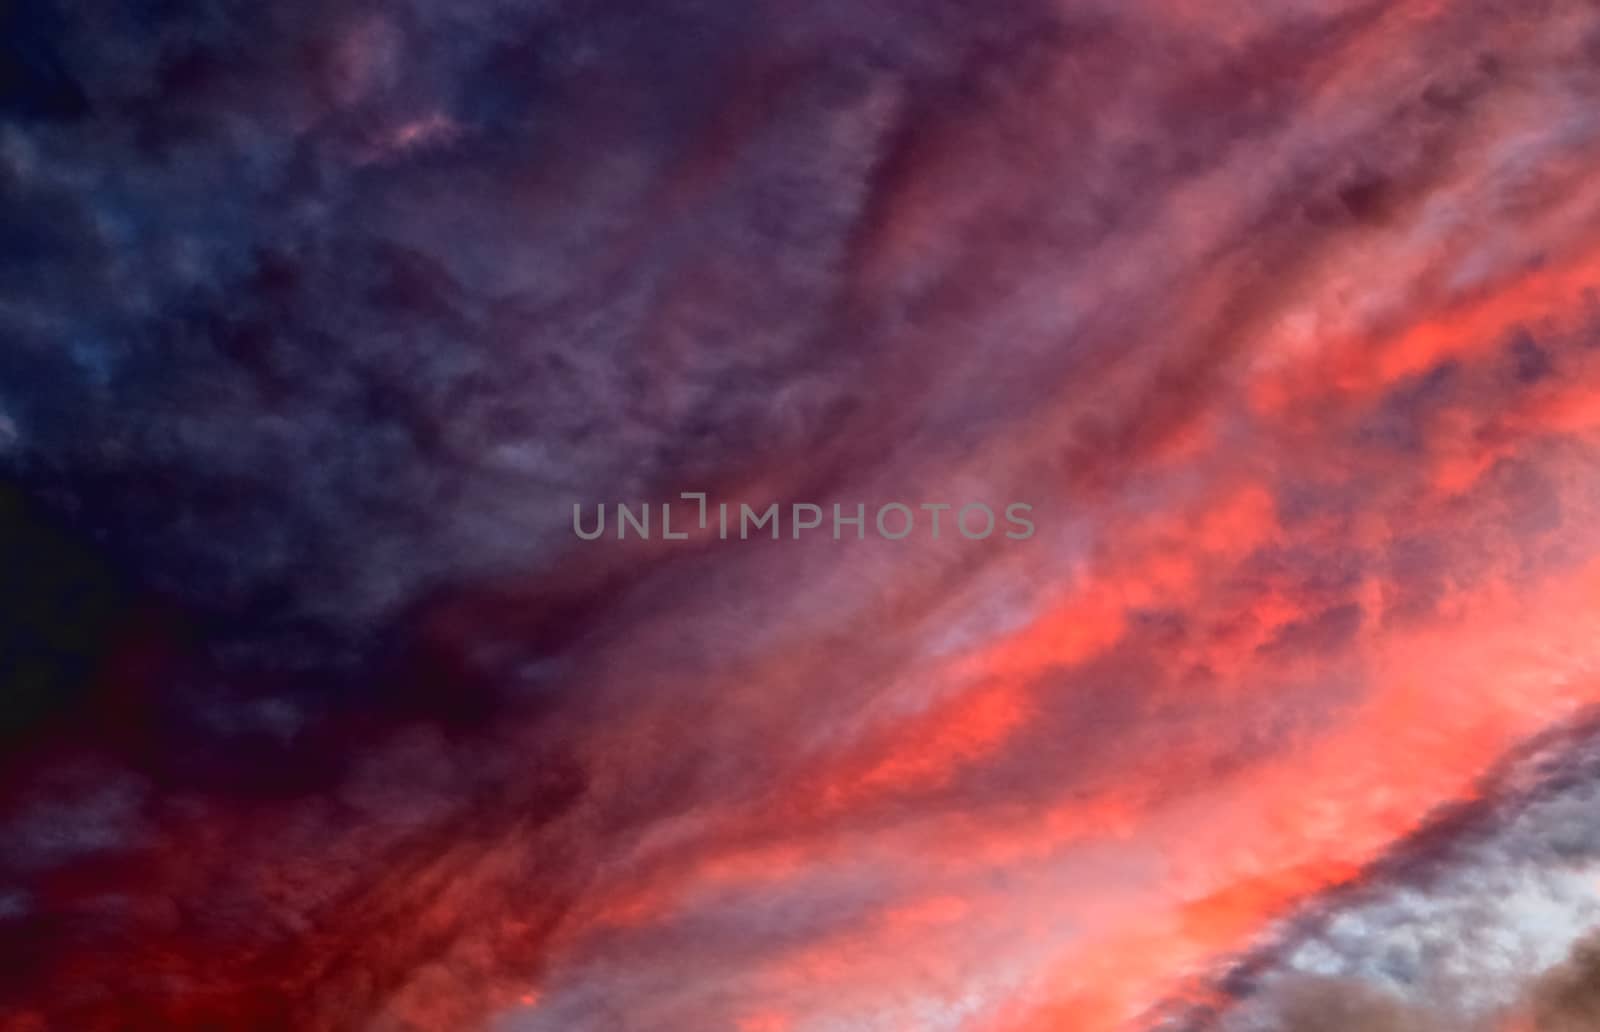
1464, 925
318, 318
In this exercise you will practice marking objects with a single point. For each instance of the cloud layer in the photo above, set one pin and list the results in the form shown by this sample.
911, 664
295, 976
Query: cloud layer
319, 319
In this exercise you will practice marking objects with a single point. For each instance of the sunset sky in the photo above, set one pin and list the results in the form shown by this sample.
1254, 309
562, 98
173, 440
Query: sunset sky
319, 317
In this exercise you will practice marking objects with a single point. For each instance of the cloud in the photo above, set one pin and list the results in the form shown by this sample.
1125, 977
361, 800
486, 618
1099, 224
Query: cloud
324, 315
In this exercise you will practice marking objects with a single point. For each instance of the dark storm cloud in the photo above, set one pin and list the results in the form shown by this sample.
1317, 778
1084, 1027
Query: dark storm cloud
519, 263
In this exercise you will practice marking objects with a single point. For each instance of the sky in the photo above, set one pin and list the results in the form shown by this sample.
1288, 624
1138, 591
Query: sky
319, 319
